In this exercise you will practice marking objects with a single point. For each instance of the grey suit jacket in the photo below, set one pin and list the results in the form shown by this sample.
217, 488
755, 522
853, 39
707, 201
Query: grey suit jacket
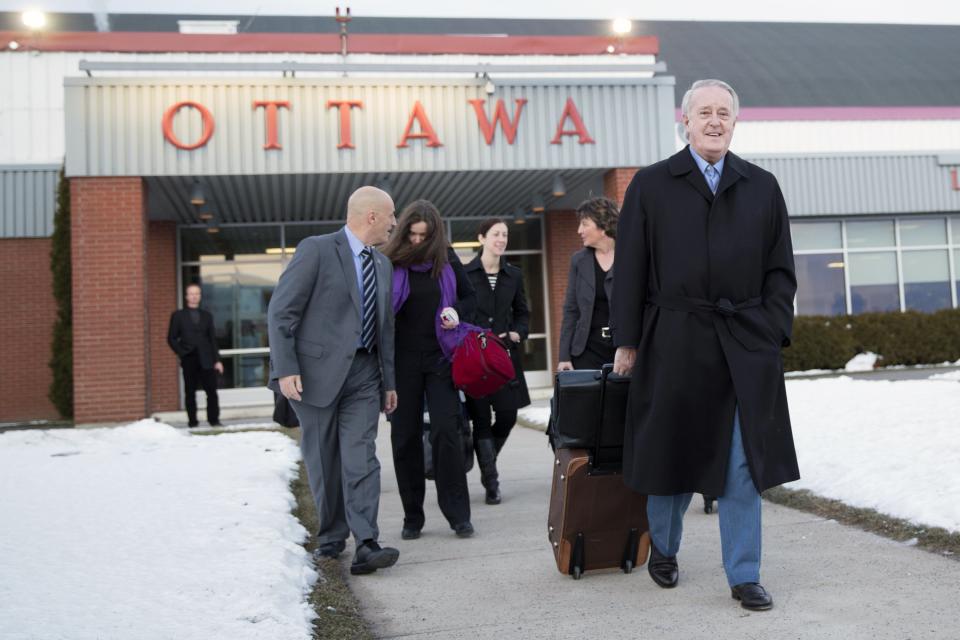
578, 303
314, 318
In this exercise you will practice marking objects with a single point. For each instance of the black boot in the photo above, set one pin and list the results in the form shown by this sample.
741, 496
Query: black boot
487, 459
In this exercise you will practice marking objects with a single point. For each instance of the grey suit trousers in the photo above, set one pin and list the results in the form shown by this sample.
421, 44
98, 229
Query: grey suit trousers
338, 443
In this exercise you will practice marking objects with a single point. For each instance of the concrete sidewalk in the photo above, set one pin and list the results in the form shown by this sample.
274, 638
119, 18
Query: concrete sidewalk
827, 580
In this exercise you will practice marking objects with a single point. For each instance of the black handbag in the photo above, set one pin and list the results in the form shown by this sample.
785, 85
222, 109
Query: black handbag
283, 413
466, 438
576, 419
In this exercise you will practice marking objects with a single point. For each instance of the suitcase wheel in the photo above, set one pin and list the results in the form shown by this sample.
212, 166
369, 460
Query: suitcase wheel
577, 573
628, 566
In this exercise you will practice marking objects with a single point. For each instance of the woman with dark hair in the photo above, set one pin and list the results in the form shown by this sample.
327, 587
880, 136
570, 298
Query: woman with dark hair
585, 339
431, 292
501, 307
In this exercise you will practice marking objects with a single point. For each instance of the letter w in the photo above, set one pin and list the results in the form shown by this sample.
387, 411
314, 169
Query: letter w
499, 115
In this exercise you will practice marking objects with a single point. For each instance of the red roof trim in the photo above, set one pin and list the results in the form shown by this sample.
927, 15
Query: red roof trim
139, 42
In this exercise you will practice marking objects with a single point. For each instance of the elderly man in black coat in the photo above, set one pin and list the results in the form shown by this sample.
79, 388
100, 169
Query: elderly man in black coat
702, 304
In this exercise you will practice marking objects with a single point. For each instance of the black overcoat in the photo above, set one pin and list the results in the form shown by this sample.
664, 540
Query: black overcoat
501, 310
185, 338
704, 288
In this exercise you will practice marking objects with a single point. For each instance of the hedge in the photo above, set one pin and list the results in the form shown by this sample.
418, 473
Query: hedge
61, 360
909, 338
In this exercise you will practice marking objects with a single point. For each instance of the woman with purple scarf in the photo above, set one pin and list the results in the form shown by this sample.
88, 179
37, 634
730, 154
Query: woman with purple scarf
431, 292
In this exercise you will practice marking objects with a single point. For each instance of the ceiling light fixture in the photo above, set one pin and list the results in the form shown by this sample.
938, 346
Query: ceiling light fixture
197, 196
536, 203
559, 188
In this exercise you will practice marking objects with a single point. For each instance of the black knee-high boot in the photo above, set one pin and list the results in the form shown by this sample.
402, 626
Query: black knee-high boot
487, 459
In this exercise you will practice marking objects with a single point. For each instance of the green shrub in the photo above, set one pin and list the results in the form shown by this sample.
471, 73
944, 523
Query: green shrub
909, 338
61, 360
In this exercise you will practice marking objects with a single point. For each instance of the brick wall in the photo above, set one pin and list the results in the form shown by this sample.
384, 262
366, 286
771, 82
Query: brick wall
615, 183
110, 345
26, 324
161, 302
562, 242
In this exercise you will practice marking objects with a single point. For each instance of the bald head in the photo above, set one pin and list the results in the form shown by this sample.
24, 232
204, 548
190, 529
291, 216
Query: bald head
365, 199
370, 215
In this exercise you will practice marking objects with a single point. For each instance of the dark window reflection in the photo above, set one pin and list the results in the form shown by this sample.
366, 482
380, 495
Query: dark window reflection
820, 284
245, 371
522, 237
926, 280
874, 282
230, 243
294, 233
535, 354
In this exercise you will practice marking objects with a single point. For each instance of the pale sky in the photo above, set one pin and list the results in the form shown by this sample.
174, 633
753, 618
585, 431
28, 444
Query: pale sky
877, 11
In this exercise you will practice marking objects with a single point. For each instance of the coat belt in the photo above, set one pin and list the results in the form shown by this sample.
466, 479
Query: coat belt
722, 307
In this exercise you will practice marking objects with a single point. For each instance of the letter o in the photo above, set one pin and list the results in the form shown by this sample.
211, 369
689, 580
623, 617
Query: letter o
205, 114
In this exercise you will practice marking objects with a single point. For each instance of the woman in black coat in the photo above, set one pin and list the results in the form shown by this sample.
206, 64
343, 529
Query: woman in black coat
585, 338
431, 292
501, 307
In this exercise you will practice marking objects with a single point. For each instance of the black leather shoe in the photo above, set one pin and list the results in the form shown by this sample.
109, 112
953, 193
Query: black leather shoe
410, 533
191, 425
216, 424
329, 550
370, 557
752, 596
662, 569
463, 530
493, 496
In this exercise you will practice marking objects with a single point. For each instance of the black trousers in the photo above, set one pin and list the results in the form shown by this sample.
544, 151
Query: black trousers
598, 352
504, 404
194, 377
419, 373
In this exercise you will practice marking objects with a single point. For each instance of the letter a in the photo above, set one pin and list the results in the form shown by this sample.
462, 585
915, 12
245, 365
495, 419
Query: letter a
570, 111
426, 129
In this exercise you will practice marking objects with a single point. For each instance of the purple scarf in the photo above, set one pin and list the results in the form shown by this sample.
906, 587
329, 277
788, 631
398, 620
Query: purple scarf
448, 339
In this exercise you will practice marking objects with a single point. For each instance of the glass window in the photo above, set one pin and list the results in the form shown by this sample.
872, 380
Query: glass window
955, 221
915, 233
294, 233
956, 272
245, 371
229, 244
873, 233
926, 280
820, 285
534, 354
808, 236
237, 295
874, 282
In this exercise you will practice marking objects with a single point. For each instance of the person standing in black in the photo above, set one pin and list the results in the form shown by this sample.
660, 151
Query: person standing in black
431, 292
585, 338
192, 338
501, 307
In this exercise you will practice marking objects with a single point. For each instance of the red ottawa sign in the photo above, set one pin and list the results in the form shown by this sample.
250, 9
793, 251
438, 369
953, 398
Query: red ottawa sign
418, 116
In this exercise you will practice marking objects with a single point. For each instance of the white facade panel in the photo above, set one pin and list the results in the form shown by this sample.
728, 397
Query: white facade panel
114, 126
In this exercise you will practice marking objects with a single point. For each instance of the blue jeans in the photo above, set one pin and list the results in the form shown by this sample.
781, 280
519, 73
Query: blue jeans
739, 508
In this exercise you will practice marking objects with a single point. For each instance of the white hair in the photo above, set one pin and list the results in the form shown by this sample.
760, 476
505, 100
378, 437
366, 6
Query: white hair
700, 84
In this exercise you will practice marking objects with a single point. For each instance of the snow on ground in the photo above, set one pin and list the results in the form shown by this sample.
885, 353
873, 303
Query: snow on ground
147, 532
893, 446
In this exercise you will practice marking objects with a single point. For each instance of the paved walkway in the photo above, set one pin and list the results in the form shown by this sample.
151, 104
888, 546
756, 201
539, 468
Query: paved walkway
827, 580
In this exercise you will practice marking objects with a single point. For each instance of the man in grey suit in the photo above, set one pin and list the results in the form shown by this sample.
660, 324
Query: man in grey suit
332, 353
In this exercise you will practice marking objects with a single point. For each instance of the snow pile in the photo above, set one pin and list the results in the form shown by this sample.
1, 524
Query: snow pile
147, 532
862, 362
887, 445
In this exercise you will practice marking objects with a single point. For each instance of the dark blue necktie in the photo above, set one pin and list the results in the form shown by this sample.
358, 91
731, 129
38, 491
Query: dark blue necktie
368, 331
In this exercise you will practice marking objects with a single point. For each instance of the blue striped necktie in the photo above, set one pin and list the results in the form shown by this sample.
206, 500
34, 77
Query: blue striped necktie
368, 331
713, 178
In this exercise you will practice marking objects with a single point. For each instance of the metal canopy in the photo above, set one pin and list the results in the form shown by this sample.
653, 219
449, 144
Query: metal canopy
315, 197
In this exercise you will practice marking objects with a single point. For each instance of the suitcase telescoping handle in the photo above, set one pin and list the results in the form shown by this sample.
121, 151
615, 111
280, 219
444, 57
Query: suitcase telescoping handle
605, 372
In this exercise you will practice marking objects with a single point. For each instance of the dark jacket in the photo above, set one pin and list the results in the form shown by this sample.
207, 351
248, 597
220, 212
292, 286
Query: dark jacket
503, 309
704, 289
578, 303
186, 338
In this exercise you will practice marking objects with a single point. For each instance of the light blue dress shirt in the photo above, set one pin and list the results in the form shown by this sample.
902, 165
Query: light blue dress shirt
356, 246
703, 164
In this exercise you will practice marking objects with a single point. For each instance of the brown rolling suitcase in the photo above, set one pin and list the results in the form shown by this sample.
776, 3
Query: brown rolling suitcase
595, 520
